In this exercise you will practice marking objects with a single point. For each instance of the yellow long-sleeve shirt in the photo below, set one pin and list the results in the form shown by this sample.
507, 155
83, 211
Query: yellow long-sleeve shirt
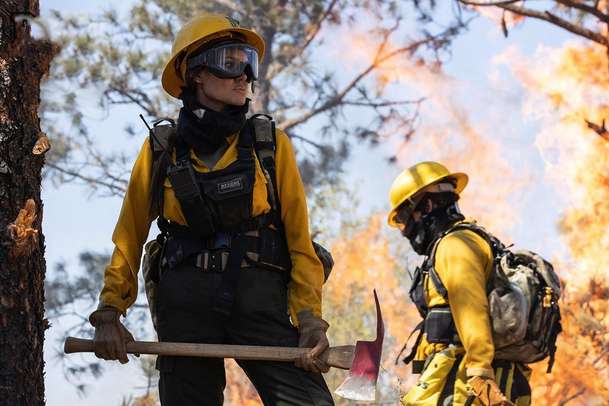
120, 278
464, 263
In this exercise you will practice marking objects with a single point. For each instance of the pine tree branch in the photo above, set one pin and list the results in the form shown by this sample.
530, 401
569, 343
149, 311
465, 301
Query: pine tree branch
488, 3
379, 59
572, 397
544, 16
137, 97
584, 7
381, 104
308, 141
600, 129
311, 37
114, 188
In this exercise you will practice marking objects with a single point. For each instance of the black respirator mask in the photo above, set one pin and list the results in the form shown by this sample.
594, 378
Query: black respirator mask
427, 229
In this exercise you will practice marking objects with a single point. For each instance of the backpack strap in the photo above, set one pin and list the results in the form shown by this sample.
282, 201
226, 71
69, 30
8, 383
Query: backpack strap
160, 135
496, 248
435, 278
413, 351
265, 145
162, 138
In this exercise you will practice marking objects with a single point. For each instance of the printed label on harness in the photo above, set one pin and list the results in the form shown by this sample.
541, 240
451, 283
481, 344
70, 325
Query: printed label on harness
231, 185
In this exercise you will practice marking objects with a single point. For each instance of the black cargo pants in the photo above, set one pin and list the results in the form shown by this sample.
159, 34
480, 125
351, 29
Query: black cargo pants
260, 317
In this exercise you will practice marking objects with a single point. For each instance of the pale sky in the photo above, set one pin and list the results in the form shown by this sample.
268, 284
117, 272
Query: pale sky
90, 221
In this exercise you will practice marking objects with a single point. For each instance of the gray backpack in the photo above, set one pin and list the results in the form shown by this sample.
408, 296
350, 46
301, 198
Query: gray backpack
523, 293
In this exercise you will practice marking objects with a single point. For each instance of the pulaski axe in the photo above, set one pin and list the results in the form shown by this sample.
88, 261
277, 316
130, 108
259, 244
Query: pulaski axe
362, 359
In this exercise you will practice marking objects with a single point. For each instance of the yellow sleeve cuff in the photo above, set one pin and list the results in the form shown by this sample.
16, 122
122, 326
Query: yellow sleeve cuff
483, 372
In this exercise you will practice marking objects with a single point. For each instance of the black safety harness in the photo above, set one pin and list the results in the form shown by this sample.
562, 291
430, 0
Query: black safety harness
222, 235
438, 322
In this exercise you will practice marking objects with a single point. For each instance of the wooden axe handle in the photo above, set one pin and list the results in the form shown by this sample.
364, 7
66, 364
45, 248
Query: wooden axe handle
337, 357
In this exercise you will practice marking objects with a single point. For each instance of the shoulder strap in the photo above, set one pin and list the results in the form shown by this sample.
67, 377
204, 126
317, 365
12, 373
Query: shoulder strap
159, 138
431, 268
496, 246
265, 146
162, 139
494, 243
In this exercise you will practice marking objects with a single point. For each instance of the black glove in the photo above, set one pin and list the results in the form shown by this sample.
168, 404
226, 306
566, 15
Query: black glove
111, 336
312, 332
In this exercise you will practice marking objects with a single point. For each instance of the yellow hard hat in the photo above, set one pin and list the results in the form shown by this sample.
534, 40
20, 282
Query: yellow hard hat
198, 31
415, 179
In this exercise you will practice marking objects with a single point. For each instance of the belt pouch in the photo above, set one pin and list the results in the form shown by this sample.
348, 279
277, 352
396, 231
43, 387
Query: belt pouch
439, 325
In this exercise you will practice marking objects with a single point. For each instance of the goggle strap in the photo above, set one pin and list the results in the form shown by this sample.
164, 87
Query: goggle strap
197, 60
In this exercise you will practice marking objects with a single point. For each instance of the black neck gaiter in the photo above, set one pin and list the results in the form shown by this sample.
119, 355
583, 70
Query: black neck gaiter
423, 233
208, 133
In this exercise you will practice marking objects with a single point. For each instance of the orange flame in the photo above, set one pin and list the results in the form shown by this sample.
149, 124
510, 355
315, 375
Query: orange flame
364, 261
565, 91
566, 87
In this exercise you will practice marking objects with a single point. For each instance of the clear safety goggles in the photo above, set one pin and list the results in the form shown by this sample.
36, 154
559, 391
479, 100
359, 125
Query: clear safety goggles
228, 61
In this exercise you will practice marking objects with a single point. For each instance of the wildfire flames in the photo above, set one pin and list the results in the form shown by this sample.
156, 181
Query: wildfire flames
567, 92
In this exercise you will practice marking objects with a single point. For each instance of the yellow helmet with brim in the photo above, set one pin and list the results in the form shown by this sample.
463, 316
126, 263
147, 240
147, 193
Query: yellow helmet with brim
199, 31
415, 179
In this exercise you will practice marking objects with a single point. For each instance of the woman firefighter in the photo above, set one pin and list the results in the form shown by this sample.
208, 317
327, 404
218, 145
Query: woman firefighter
236, 263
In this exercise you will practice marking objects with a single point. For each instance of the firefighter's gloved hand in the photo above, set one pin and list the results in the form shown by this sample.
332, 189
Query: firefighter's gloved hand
487, 391
312, 332
111, 336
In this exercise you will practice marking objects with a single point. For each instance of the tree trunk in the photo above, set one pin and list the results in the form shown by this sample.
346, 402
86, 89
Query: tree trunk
23, 61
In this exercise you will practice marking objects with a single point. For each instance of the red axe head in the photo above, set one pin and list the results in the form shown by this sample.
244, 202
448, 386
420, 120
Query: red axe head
364, 372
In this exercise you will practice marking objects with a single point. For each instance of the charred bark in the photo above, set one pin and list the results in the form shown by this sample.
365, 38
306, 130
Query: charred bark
23, 62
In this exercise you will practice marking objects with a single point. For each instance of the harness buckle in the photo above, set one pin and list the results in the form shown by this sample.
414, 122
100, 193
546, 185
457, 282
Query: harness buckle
210, 261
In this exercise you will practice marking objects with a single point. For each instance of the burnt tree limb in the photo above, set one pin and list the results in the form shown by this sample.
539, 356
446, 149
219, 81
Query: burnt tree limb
23, 62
